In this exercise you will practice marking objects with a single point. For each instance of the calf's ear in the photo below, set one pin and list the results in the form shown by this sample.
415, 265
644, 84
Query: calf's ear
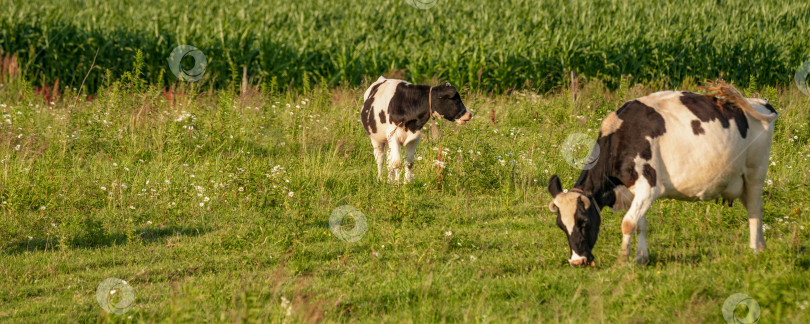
554, 186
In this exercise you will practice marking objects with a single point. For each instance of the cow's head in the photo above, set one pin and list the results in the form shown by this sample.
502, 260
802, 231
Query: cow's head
578, 216
447, 104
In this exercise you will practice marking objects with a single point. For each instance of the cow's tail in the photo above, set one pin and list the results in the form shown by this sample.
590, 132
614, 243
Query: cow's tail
727, 93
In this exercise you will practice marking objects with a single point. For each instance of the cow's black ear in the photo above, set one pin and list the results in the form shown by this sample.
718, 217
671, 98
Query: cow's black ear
554, 186
607, 199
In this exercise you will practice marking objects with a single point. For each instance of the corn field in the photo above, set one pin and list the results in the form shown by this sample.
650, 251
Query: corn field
491, 45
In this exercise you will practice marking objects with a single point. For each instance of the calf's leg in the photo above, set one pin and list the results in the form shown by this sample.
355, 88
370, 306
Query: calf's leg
410, 150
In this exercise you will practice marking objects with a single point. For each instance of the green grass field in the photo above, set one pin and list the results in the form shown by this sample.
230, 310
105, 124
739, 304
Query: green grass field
215, 207
212, 199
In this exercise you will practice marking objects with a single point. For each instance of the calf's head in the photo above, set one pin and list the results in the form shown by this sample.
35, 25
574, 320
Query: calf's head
446, 103
578, 216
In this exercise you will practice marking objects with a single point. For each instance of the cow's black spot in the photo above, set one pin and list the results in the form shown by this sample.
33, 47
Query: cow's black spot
413, 125
696, 128
646, 153
367, 113
618, 151
382, 117
707, 109
629, 172
639, 122
409, 106
770, 108
649, 174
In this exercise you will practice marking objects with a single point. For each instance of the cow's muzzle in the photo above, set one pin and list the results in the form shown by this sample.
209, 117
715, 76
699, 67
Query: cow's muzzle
464, 118
581, 262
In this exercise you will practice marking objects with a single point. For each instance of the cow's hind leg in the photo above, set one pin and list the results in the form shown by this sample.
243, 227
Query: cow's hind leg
379, 154
752, 199
635, 220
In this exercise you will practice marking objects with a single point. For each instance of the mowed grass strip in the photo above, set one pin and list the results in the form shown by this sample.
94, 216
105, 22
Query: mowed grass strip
214, 206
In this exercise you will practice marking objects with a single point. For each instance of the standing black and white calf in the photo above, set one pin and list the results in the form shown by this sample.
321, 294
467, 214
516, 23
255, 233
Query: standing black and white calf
669, 144
394, 112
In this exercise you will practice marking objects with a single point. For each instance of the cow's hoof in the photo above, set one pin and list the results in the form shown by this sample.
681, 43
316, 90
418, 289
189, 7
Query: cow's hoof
408, 179
623, 257
642, 260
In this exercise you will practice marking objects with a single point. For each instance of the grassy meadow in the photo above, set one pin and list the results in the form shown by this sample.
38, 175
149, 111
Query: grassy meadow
215, 206
212, 199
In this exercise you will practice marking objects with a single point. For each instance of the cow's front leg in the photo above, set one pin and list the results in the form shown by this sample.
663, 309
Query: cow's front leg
410, 150
379, 155
634, 220
394, 160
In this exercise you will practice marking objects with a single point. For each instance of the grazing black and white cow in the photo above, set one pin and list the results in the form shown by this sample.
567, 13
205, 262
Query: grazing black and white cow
394, 112
669, 144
